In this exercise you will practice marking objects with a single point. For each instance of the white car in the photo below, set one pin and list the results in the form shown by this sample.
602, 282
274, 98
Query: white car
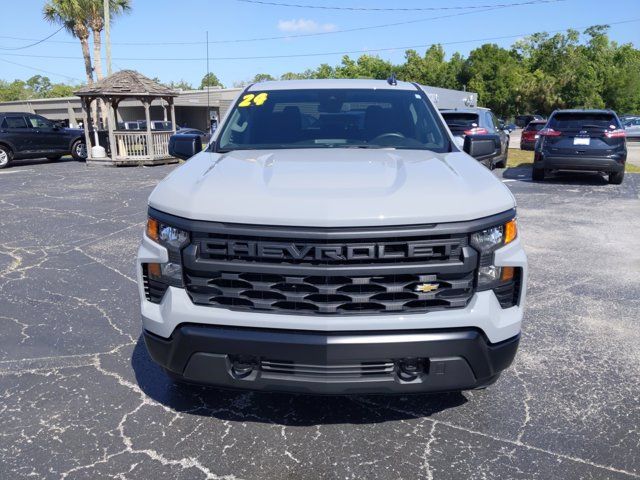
332, 238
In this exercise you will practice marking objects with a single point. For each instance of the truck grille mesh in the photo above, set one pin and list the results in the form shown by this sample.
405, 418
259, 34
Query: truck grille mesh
331, 294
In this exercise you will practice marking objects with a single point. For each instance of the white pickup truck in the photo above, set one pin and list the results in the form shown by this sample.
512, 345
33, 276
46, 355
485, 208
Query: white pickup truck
332, 238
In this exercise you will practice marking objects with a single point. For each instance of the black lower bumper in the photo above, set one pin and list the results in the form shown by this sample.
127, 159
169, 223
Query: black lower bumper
581, 163
322, 363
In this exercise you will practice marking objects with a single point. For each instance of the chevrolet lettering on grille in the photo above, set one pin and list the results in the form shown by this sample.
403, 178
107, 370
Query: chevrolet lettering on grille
327, 252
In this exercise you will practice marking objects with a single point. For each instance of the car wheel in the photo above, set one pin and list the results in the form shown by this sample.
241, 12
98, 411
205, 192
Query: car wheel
54, 158
537, 174
615, 178
79, 150
5, 156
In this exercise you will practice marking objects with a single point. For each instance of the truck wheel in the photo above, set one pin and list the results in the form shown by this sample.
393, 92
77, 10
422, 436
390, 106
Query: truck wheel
5, 156
54, 158
79, 151
615, 178
537, 174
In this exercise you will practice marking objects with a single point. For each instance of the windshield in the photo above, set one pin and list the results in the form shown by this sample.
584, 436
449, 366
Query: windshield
460, 119
581, 121
333, 118
535, 127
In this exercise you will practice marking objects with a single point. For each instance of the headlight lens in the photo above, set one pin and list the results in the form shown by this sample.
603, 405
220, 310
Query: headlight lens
490, 239
171, 237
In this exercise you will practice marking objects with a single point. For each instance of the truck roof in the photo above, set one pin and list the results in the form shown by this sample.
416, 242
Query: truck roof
330, 83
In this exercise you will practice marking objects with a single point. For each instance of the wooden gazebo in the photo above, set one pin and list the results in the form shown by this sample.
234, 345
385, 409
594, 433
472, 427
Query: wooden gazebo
128, 147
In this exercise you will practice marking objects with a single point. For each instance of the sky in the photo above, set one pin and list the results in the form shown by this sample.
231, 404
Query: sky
146, 38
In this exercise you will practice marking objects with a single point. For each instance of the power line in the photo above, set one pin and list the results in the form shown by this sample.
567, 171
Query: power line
41, 70
396, 9
317, 54
314, 34
32, 44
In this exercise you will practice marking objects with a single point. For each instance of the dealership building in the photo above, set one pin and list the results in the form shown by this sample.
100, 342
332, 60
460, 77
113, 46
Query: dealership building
190, 106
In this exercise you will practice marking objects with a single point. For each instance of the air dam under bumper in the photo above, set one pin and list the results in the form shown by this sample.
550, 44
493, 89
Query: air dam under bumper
320, 363
579, 162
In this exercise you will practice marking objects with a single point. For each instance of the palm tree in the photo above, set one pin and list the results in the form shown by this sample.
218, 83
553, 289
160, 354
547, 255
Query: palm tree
94, 10
71, 15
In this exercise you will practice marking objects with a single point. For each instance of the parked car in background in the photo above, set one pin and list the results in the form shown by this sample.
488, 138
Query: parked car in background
479, 121
530, 134
26, 135
588, 140
204, 136
632, 128
524, 120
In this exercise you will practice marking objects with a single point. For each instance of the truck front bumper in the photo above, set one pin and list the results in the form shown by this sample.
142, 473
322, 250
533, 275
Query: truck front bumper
332, 363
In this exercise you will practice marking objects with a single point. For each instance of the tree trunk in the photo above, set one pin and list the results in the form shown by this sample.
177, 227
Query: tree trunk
97, 51
84, 42
97, 64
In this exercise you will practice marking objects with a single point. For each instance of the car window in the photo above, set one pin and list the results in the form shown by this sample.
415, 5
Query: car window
39, 122
333, 118
494, 124
14, 122
580, 121
534, 127
461, 119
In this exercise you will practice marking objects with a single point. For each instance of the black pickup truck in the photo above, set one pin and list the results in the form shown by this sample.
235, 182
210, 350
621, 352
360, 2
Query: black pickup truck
26, 135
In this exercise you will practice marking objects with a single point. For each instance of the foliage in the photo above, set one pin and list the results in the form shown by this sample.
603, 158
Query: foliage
210, 80
35, 87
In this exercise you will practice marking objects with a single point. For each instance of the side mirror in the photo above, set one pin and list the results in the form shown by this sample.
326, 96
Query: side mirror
184, 146
482, 147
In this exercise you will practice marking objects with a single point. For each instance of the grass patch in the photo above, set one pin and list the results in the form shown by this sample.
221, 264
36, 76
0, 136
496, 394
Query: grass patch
524, 158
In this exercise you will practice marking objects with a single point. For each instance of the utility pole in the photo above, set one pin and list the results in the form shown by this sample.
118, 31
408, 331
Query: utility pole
107, 34
208, 81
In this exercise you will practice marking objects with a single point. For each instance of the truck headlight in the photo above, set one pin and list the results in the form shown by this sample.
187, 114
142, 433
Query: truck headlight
159, 276
490, 276
490, 239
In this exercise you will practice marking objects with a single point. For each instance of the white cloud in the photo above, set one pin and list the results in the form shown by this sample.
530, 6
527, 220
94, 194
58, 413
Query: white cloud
302, 25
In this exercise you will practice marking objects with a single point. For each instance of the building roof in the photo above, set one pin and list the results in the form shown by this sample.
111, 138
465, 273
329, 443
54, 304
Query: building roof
126, 83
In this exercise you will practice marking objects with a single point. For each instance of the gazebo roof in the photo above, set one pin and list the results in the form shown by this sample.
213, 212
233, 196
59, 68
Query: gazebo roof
126, 83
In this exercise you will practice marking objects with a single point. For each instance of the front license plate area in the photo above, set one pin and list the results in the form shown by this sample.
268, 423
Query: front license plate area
581, 141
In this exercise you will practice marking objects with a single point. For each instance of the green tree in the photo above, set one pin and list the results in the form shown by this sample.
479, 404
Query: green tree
180, 85
93, 11
262, 77
210, 80
70, 14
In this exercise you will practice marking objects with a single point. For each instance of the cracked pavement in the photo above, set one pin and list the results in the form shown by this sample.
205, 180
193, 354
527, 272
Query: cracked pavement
80, 398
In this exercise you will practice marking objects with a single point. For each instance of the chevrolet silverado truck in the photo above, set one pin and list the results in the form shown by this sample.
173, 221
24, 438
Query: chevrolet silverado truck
332, 239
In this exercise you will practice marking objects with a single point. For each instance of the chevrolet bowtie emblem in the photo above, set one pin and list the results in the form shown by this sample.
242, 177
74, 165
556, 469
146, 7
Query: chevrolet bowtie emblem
426, 287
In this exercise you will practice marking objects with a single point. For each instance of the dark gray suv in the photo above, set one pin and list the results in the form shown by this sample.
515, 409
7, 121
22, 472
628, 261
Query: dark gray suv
583, 140
480, 122
26, 135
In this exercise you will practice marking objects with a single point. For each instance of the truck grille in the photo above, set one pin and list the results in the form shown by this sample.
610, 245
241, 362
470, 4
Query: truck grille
331, 294
364, 369
340, 272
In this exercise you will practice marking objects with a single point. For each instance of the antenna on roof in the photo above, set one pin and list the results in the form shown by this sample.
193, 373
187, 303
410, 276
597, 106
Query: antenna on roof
392, 80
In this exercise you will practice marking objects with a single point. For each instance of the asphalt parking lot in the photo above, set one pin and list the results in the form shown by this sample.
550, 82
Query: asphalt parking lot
80, 398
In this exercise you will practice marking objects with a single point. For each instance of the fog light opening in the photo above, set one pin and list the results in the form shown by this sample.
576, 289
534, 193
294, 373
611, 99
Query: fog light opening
242, 367
410, 368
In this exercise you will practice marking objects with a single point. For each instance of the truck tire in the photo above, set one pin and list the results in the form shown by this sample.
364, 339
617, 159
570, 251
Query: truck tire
537, 174
5, 156
79, 151
615, 178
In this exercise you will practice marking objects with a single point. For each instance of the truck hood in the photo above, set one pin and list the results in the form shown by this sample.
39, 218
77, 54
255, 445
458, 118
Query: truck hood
332, 188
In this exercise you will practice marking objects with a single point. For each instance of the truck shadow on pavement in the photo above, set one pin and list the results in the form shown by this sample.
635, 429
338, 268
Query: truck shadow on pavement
282, 408
523, 174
